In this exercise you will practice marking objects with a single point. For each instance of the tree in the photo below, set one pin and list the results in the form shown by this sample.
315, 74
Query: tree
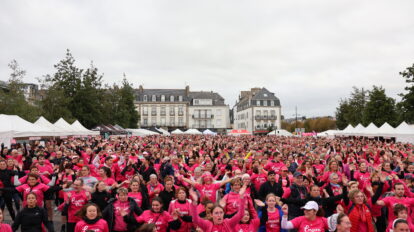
351, 111
12, 100
125, 114
379, 108
406, 106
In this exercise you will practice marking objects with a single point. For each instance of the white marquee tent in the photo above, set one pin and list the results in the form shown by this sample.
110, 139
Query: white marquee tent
81, 130
52, 128
141, 132
371, 130
209, 132
193, 132
328, 133
17, 127
64, 126
281, 132
164, 132
405, 133
176, 132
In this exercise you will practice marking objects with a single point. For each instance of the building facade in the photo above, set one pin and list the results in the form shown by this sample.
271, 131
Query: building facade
180, 108
257, 111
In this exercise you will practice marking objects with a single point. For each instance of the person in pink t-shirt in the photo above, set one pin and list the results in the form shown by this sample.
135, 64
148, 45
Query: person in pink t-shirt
311, 222
91, 219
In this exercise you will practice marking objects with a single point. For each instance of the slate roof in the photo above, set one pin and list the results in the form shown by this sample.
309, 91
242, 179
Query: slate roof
139, 94
217, 99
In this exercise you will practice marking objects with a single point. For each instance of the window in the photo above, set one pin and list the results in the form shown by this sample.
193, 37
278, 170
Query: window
172, 110
145, 122
145, 98
163, 121
163, 98
258, 112
180, 110
196, 102
180, 121
144, 110
171, 98
154, 120
272, 103
163, 111
218, 112
258, 103
172, 121
265, 103
154, 98
265, 94
154, 110
265, 113
180, 98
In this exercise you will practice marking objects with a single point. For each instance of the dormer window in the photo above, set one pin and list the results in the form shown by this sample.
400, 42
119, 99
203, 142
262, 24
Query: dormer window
145, 98
171, 98
163, 98
258, 103
265, 94
154, 98
180, 98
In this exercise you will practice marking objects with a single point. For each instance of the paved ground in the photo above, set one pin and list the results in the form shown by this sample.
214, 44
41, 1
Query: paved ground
56, 219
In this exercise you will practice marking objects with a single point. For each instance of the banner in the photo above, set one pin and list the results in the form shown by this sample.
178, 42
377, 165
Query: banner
6, 138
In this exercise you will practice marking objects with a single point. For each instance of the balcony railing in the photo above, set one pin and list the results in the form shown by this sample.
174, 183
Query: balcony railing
172, 113
203, 116
163, 113
180, 113
153, 113
272, 117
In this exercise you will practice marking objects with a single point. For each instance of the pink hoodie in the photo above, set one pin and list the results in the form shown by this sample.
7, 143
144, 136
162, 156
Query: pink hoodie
99, 226
160, 220
184, 211
232, 200
76, 202
38, 189
5, 228
228, 224
253, 225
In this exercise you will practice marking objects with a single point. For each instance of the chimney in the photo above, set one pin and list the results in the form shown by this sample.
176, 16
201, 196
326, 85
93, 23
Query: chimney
187, 90
141, 89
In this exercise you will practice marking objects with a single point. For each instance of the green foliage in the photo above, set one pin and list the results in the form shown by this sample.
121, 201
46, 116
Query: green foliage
351, 111
12, 99
406, 106
379, 108
75, 93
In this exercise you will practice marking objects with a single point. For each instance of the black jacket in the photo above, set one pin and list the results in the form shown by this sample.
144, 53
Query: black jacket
267, 187
109, 214
146, 172
101, 199
167, 197
31, 219
296, 193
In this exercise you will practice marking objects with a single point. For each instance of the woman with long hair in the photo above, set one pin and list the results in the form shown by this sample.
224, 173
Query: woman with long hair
138, 193
101, 196
91, 219
271, 214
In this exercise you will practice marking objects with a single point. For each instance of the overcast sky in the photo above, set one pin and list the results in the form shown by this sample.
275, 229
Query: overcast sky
309, 53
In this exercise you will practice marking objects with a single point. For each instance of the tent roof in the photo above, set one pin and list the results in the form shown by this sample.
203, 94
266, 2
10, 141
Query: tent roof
141, 132
404, 128
63, 125
177, 131
41, 121
193, 132
281, 132
209, 132
18, 127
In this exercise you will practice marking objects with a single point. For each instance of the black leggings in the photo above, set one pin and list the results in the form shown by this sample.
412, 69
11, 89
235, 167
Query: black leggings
7, 200
70, 227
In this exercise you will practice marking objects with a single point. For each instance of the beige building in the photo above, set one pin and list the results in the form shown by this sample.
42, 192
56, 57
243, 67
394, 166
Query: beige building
257, 110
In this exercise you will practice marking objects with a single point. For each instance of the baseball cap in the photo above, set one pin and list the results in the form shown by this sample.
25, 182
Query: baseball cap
297, 174
311, 205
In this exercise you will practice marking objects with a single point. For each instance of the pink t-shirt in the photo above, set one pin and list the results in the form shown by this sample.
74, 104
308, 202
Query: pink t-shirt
5, 228
273, 221
120, 224
208, 190
137, 197
38, 189
99, 226
391, 201
302, 224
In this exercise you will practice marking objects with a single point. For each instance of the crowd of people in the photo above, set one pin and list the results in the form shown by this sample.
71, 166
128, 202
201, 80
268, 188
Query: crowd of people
208, 183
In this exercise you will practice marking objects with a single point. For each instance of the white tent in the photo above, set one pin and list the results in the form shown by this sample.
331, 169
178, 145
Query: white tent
164, 132
404, 133
193, 132
209, 132
81, 130
348, 129
281, 132
15, 126
386, 130
52, 128
64, 126
353, 131
141, 132
176, 132
370, 130
328, 133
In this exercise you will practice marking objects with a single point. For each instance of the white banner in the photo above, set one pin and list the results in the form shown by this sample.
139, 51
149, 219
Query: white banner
6, 137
